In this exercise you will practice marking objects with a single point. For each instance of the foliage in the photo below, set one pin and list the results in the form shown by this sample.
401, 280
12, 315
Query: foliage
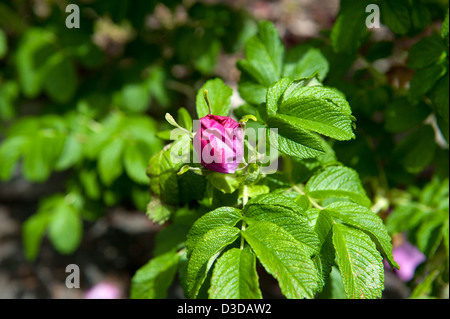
354, 142
89, 91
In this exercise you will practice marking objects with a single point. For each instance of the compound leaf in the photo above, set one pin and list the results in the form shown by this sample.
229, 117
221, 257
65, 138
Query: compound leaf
293, 140
234, 276
205, 253
359, 262
222, 216
284, 258
362, 218
337, 181
152, 280
286, 214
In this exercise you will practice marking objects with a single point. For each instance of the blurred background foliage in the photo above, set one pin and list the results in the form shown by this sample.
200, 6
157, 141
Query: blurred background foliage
85, 99
89, 103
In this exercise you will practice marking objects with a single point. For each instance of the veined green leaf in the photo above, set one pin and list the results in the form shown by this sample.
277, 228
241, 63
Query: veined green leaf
152, 280
318, 119
359, 262
290, 147
362, 218
219, 95
286, 214
222, 216
207, 249
293, 140
315, 94
163, 176
284, 258
275, 93
325, 259
309, 81
337, 181
334, 289
312, 213
234, 276
283, 89
275, 199
157, 211
313, 108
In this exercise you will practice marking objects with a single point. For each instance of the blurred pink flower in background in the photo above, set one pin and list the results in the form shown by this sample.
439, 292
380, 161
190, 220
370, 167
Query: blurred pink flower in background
103, 290
408, 258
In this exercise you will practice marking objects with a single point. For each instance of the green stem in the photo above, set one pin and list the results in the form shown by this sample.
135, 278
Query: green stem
315, 204
311, 200
245, 196
244, 202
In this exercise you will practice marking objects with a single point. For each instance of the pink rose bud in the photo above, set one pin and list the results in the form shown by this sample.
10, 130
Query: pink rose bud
219, 143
